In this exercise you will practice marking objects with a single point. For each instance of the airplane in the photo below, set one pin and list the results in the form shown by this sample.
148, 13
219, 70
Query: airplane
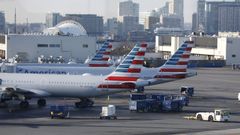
149, 76
101, 59
23, 87
173, 69
76, 70
176, 65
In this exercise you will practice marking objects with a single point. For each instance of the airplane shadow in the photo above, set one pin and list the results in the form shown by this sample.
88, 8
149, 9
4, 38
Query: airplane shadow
30, 125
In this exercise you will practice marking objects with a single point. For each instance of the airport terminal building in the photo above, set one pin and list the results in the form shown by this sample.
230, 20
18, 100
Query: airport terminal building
205, 47
68, 40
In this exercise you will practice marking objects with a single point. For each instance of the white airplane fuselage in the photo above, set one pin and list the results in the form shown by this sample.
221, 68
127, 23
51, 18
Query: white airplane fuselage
145, 72
58, 85
146, 75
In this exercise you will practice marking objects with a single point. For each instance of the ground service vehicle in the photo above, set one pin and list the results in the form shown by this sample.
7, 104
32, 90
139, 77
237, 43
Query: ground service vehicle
146, 105
59, 111
108, 112
219, 115
154, 103
187, 90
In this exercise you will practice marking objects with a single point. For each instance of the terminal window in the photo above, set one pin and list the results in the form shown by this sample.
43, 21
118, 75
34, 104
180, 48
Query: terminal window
85, 46
42, 45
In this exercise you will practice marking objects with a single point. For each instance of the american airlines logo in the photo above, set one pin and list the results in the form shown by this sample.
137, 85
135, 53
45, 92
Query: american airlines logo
49, 71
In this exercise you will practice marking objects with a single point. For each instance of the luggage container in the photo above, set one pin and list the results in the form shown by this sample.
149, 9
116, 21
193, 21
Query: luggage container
108, 112
158, 97
187, 90
138, 105
176, 106
157, 103
172, 105
133, 105
168, 103
138, 96
147, 105
184, 100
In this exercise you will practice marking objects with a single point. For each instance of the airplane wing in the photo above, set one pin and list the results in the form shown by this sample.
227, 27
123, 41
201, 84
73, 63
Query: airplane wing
25, 92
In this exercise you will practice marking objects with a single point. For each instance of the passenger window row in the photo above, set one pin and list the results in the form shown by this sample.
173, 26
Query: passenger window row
51, 82
72, 83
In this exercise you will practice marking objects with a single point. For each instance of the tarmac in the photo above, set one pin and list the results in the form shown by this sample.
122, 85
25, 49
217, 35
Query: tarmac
214, 88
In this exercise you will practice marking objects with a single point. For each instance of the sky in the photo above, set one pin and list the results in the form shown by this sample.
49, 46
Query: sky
35, 10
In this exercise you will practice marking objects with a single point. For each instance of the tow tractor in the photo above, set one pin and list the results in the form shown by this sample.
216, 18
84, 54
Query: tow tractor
59, 111
219, 115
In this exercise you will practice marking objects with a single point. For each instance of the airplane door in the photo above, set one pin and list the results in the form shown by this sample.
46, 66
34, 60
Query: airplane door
43, 83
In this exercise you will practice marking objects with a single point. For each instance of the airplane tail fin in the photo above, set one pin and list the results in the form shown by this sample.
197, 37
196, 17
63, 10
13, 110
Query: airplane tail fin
176, 66
128, 72
102, 56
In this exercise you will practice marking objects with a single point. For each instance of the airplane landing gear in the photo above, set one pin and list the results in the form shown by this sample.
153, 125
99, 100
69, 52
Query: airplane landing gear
138, 90
85, 102
41, 102
24, 104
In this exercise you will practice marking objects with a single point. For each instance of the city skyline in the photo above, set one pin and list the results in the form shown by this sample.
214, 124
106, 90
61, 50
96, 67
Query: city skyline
29, 9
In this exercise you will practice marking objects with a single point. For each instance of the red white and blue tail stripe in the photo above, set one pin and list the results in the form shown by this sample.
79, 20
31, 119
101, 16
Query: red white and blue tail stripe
128, 72
176, 66
102, 56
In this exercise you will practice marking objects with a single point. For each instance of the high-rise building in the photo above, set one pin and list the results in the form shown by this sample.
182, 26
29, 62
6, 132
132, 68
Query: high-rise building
129, 23
2, 22
176, 7
222, 16
128, 8
201, 22
91, 22
112, 26
52, 19
171, 7
229, 17
143, 16
164, 11
171, 21
151, 22
194, 22
212, 17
